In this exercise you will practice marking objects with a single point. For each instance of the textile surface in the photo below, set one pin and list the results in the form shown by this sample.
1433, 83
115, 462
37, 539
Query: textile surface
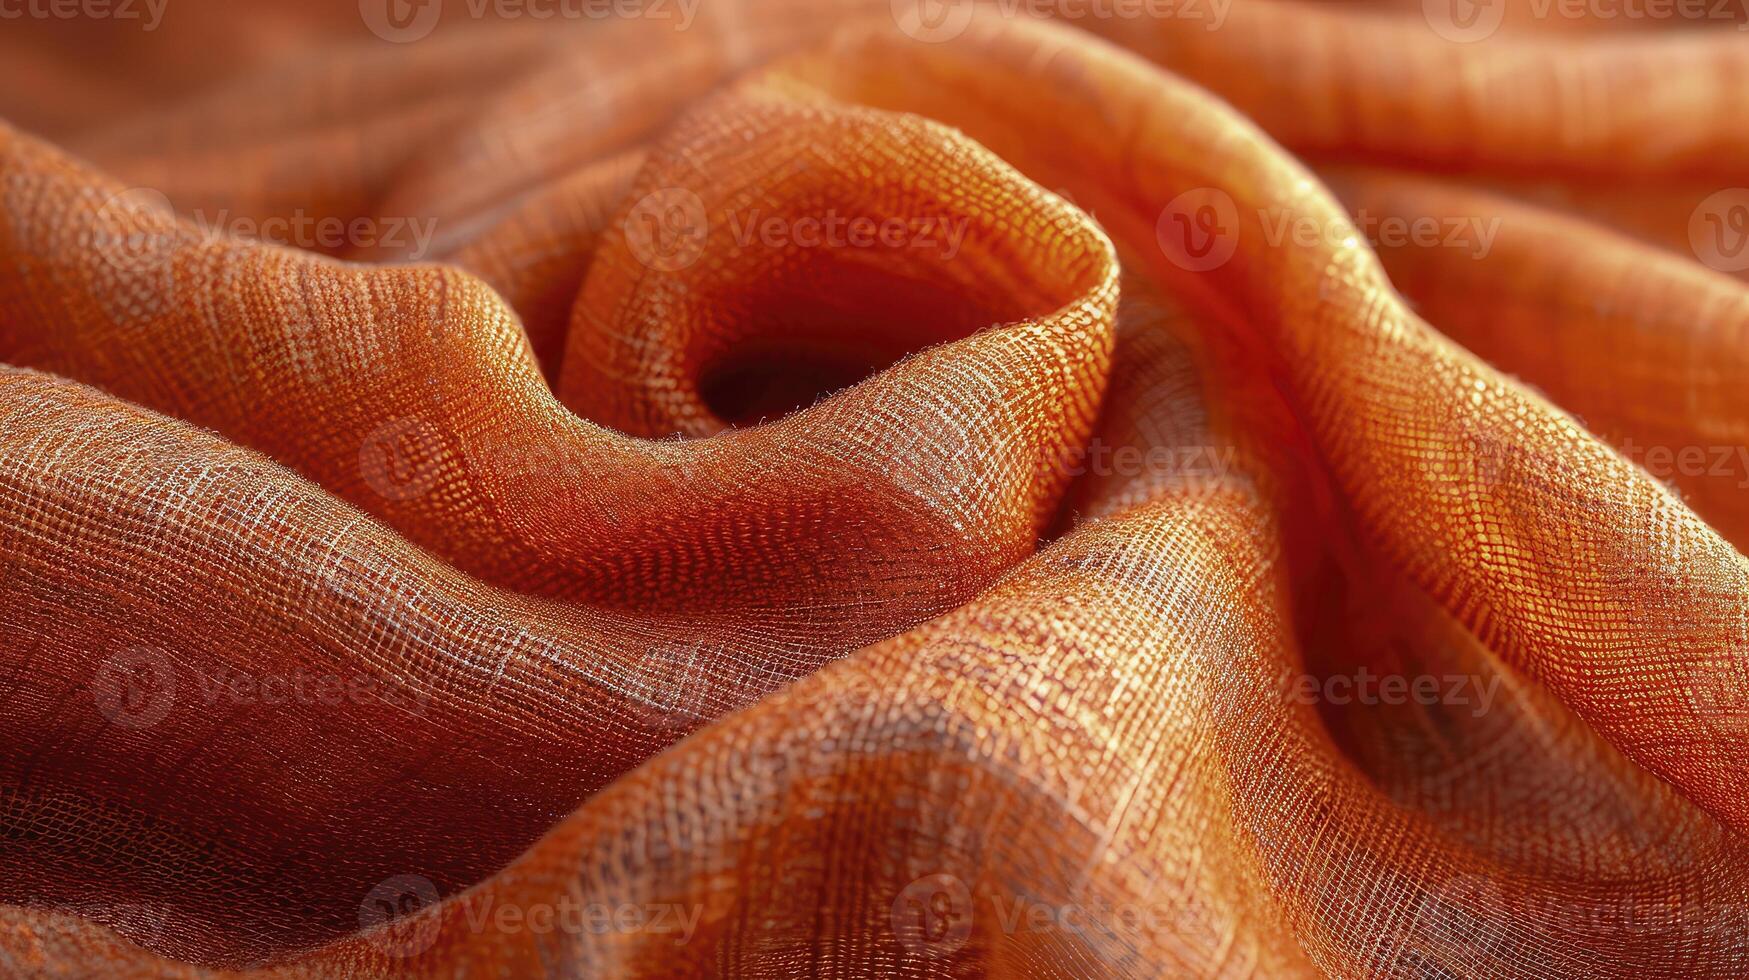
839, 488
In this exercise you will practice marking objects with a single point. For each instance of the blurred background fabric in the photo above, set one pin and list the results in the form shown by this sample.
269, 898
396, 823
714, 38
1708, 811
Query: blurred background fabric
929, 488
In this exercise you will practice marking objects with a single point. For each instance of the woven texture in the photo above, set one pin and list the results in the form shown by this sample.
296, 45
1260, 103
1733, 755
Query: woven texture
795, 488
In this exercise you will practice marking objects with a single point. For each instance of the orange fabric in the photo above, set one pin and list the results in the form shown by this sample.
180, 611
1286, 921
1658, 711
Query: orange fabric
814, 490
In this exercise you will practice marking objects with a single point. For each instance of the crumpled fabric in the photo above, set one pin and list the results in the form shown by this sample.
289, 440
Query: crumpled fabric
863, 489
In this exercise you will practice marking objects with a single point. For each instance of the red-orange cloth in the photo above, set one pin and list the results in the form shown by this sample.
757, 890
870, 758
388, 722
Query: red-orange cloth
1215, 488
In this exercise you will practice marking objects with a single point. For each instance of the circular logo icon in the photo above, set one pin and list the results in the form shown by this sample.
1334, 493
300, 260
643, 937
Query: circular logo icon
1199, 229
932, 21
674, 689
1718, 230
400, 21
938, 461
146, 925
1457, 920
401, 915
399, 459
932, 916
1720, 696
1464, 21
135, 688
666, 229
134, 238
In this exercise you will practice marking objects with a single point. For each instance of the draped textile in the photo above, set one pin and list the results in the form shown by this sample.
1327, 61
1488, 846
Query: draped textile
778, 487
